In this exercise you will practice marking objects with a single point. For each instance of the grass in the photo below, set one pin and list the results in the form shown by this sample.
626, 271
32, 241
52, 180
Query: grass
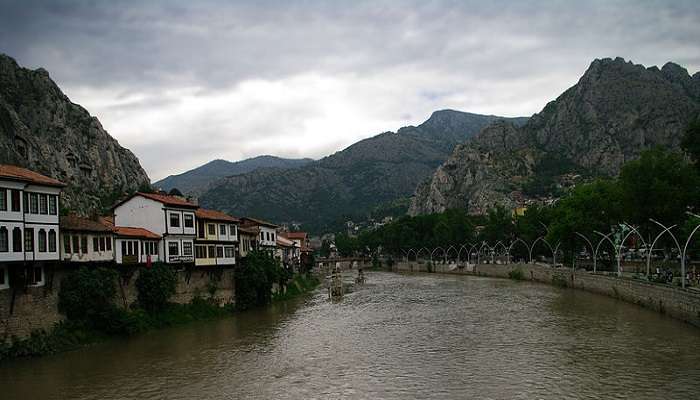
516, 274
299, 285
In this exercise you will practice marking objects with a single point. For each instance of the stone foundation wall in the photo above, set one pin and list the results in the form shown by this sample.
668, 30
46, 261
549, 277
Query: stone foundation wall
683, 304
37, 307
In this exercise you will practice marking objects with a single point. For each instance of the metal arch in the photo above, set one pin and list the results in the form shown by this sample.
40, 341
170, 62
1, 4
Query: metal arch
463, 247
503, 246
447, 252
665, 230
685, 248
420, 251
408, 254
470, 253
594, 255
622, 243
433, 253
606, 237
527, 247
478, 252
541, 238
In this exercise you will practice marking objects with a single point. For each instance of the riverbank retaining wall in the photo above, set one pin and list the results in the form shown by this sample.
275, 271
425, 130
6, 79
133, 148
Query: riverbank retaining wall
36, 308
683, 304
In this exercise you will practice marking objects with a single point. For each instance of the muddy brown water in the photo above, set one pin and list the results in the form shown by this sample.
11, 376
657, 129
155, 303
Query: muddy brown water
397, 337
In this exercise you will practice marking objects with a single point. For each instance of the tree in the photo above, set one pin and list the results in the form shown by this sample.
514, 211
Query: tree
325, 248
254, 279
346, 245
175, 192
691, 141
660, 185
155, 286
88, 294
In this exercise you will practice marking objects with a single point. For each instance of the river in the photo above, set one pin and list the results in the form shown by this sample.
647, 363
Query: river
397, 337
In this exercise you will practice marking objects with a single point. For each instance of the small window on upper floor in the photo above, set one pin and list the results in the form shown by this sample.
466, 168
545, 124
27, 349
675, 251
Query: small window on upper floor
222, 230
33, 203
16, 200
53, 205
211, 228
175, 220
3, 199
189, 221
43, 204
232, 230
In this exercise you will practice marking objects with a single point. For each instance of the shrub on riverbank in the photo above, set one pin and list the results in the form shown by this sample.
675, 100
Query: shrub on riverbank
254, 279
516, 274
300, 284
87, 295
156, 285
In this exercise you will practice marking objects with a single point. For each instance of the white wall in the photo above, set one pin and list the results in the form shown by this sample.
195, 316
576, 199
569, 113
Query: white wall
267, 232
91, 255
140, 212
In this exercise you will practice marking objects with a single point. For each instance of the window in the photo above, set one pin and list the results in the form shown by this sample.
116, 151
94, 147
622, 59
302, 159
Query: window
15, 194
4, 240
35, 275
186, 248
76, 244
83, 244
219, 252
262, 236
33, 203
189, 221
28, 239
102, 243
273, 237
200, 251
3, 200
17, 239
124, 248
175, 220
53, 205
66, 244
268, 236
151, 248
43, 205
232, 230
26, 203
4, 279
222, 230
109, 243
173, 249
229, 251
212, 251
42, 241
130, 248
52, 241
212, 229
95, 244
200, 230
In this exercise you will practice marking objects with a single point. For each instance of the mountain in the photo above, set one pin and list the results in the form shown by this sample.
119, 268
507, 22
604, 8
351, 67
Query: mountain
198, 179
350, 183
616, 110
41, 129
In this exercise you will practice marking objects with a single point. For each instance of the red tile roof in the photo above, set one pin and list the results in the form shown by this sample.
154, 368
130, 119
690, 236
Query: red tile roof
167, 199
135, 232
296, 235
16, 173
74, 222
203, 213
247, 221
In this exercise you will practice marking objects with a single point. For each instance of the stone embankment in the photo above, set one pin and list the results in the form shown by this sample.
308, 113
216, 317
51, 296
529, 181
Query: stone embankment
36, 308
682, 304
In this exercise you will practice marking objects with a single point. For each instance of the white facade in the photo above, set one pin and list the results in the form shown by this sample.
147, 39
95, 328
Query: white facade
175, 224
267, 236
28, 222
87, 246
216, 242
130, 250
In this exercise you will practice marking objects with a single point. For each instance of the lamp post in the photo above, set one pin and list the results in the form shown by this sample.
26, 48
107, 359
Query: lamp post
607, 237
665, 229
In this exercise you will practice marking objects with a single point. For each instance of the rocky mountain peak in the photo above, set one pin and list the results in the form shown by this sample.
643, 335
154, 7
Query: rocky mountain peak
41, 129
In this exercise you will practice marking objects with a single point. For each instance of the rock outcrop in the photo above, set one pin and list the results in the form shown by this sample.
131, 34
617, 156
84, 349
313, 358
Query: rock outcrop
616, 110
41, 129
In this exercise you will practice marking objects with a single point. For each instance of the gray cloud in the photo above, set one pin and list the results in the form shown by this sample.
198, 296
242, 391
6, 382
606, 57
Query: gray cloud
183, 82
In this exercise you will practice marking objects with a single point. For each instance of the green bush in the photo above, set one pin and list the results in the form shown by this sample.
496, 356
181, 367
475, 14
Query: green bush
88, 295
254, 279
516, 274
155, 286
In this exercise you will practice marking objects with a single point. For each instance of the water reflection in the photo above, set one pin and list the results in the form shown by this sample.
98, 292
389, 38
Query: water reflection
398, 337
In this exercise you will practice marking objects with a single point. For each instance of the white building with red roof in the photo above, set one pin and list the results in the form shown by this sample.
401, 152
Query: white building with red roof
171, 218
29, 226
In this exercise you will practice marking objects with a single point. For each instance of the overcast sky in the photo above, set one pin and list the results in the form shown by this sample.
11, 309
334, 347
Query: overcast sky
182, 83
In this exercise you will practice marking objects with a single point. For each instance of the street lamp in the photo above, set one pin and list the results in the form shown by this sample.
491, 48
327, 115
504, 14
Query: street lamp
665, 229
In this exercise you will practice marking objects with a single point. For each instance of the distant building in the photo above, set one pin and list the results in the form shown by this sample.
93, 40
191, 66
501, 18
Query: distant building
169, 217
247, 240
267, 233
217, 235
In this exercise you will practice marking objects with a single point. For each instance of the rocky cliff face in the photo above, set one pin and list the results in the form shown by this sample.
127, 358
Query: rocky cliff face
349, 183
41, 129
616, 110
